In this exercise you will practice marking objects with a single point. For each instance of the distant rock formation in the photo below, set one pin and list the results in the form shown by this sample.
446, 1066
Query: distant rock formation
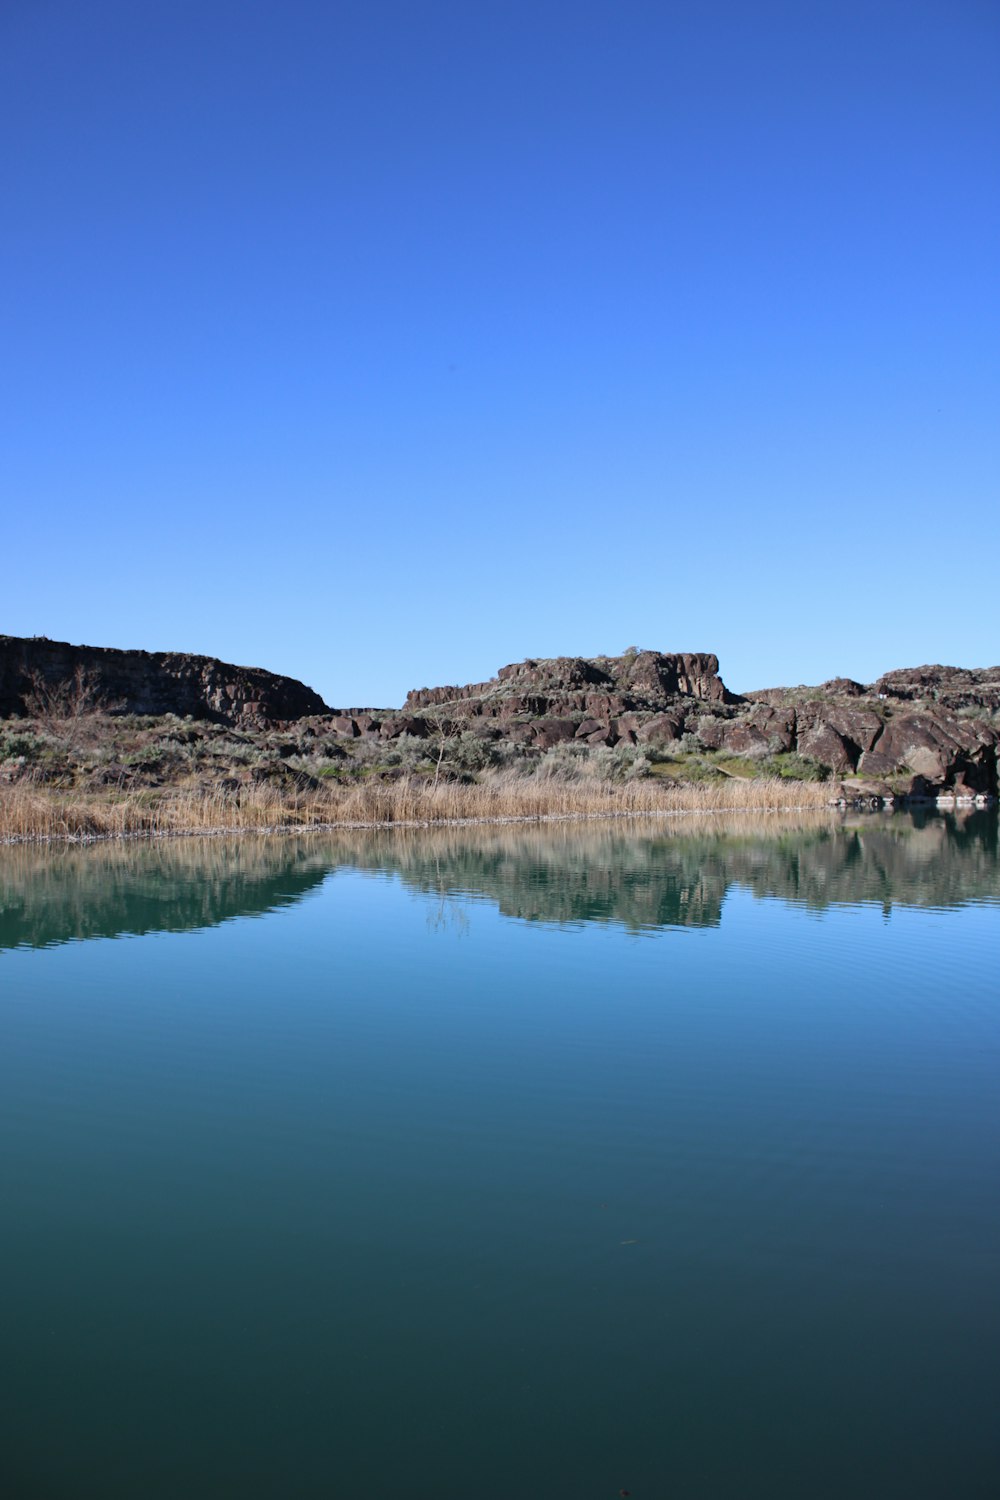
149, 682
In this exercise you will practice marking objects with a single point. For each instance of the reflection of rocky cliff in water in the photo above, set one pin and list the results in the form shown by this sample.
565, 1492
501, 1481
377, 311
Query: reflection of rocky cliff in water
648, 873
676, 872
61, 893
921, 859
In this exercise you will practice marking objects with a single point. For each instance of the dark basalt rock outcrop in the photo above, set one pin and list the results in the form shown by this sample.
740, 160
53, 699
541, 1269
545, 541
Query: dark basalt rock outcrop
919, 731
612, 684
952, 687
938, 748
149, 682
541, 703
931, 729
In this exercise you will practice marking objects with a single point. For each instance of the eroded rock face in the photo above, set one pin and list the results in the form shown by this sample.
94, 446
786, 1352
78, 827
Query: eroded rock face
905, 727
937, 747
952, 687
836, 733
150, 682
600, 688
918, 731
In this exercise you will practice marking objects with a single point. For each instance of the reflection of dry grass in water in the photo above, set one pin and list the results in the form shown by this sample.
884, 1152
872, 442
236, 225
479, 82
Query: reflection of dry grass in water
590, 842
32, 812
157, 861
256, 856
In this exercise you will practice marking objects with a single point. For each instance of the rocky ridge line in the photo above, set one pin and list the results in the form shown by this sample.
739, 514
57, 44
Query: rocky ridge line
931, 729
149, 682
918, 731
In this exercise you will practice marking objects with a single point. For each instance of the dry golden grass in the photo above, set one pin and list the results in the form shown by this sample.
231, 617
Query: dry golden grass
29, 812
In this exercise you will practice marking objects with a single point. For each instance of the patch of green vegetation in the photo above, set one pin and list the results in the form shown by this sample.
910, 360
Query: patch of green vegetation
19, 745
144, 755
687, 766
792, 766
710, 765
738, 765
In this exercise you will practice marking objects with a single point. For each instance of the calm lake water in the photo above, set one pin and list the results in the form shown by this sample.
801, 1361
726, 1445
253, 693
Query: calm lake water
486, 1163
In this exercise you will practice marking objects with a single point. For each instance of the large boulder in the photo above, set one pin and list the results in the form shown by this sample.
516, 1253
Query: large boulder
549, 732
822, 743
660, 729
763, 730
412, 724
836, 734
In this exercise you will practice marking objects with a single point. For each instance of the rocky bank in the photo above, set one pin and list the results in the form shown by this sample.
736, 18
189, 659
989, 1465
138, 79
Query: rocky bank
922, 731
917, 732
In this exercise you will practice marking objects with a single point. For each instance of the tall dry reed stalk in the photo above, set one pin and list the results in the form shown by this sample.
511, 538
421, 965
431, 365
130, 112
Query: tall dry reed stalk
34, 812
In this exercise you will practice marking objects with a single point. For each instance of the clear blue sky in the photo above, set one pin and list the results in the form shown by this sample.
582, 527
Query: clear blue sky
384, 343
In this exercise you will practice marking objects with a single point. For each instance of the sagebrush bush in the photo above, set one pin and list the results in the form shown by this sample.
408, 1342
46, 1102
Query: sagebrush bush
22, 746
791, 766
476, 752
575, 762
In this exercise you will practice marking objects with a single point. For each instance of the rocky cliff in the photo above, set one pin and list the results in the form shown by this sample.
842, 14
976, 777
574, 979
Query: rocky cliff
146, 682
600, 700
938, 726
918, 731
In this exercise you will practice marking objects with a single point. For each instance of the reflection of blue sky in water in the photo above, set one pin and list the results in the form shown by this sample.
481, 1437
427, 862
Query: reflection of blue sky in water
644, 874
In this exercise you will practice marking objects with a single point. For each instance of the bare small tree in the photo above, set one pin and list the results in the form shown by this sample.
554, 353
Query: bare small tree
68, 708
441, 733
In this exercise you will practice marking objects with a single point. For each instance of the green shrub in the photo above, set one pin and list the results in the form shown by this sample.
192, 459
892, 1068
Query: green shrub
22, 745
144, 755
572, 761
792, 766
687, 767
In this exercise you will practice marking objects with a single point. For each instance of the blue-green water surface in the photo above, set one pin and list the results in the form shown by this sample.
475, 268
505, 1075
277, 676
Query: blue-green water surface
484, 1163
